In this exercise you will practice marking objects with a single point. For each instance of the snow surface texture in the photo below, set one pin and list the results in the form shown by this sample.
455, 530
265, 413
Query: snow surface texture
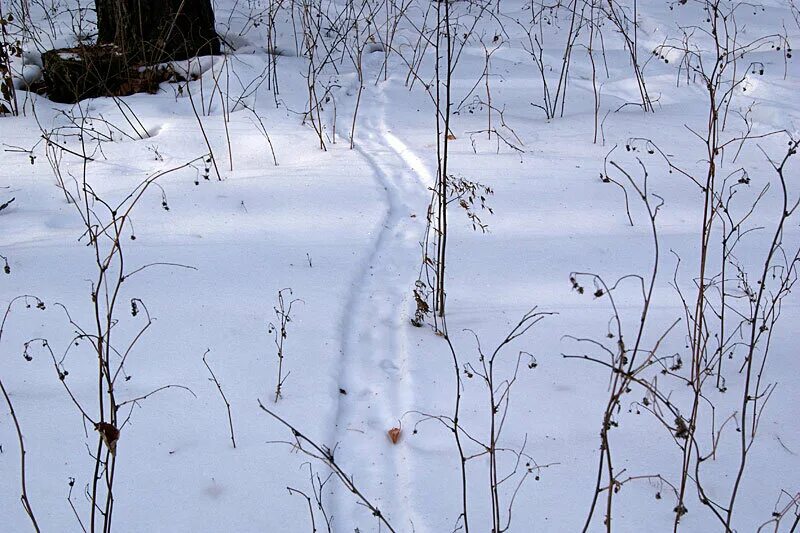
342, 228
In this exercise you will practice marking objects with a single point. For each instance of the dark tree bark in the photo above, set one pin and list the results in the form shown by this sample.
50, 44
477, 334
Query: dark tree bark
72, 74
132, 34
153, 31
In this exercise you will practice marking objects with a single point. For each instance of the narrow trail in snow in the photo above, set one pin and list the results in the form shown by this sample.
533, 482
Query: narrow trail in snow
375, 370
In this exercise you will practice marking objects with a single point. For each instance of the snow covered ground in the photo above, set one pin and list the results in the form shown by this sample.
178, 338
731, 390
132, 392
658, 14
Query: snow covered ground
342, 228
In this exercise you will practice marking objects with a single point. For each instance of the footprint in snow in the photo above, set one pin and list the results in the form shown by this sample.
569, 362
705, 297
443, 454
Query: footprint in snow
388, 366
214, 490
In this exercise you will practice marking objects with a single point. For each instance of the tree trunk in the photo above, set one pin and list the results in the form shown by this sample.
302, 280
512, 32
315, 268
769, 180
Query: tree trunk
154, 31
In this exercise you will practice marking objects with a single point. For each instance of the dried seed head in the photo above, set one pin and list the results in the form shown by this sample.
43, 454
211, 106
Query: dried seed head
109, 434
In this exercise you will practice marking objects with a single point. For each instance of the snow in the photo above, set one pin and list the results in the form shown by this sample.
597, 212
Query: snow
342, 228
69, 56
28, 75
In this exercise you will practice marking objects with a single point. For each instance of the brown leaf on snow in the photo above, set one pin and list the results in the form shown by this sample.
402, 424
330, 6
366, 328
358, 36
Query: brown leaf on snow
394, 435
